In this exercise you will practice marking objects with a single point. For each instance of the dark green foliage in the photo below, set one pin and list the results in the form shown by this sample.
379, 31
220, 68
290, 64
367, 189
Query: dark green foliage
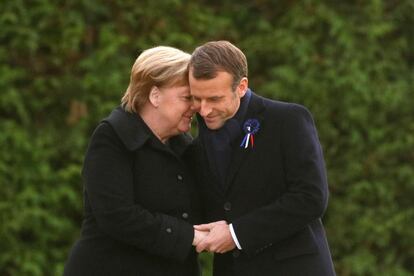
65, 64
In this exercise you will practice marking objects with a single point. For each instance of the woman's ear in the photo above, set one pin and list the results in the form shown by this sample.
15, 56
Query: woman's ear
154, 96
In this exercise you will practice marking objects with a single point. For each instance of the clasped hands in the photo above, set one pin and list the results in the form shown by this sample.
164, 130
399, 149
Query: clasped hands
213, 237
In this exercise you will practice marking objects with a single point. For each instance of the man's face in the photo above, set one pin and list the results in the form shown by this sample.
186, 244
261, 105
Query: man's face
215, 100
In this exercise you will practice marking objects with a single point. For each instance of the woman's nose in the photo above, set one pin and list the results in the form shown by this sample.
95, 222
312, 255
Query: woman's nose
195, 106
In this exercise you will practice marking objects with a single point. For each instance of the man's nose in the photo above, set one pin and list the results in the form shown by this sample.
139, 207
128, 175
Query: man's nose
205, 109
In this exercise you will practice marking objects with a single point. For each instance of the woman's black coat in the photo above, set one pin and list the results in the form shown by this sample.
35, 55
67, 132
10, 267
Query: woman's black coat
139, 203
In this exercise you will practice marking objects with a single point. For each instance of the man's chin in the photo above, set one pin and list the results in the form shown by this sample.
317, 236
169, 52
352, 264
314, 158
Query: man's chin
214, 125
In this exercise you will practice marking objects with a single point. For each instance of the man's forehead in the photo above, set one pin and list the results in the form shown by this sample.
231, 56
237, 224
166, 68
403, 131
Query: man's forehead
207, 93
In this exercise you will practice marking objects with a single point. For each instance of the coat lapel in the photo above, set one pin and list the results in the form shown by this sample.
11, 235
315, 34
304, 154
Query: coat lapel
240, 154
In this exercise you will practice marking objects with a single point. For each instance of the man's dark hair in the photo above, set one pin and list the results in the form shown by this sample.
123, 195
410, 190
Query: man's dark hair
218, 56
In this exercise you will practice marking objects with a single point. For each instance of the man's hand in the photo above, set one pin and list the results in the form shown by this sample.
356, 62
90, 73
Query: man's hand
219, 239
199, 236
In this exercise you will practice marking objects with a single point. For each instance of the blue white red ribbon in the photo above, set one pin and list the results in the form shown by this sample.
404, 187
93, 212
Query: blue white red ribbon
250, 127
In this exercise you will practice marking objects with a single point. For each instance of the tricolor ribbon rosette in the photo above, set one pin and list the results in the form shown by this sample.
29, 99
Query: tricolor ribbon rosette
250, 127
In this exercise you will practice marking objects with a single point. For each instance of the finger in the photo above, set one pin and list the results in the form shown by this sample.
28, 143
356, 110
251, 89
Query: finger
201, 246
214, 248
204, 227
223, 250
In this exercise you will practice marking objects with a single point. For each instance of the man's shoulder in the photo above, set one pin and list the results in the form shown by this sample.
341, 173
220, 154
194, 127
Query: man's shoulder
279, 107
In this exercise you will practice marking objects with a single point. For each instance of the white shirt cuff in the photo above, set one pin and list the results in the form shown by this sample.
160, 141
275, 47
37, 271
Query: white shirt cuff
233, 235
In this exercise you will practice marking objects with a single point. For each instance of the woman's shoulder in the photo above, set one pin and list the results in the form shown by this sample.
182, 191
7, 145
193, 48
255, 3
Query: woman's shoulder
104, 133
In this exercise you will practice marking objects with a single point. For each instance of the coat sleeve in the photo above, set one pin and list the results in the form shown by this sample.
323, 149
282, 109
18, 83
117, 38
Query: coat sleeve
307, 193
109, 188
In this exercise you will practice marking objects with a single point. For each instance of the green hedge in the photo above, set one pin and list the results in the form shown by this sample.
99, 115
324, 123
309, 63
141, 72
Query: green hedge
65, 64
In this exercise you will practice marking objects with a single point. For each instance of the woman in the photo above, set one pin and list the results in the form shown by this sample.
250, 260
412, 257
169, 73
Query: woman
140, 205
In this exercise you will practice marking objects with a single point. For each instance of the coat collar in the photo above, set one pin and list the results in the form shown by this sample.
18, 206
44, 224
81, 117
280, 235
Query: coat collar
134, 133
255, 110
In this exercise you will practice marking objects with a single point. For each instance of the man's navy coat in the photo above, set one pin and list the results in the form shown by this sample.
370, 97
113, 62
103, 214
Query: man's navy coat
275, 194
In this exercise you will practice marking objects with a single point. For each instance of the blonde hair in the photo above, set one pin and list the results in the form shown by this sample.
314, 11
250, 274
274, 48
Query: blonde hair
160, 66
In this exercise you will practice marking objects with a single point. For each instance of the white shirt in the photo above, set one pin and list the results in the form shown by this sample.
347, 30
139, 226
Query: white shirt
233, 235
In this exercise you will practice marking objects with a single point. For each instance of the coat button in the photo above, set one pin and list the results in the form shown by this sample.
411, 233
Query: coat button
168, 230
184, 215
236, 253
227, 206
179, 177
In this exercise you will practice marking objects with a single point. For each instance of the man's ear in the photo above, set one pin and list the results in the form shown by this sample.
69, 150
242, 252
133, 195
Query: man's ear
154, 96
242, 87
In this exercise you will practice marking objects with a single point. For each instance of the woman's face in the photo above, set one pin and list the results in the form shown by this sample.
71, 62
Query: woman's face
174, 107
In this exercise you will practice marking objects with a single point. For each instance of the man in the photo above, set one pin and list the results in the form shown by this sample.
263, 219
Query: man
261, 173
